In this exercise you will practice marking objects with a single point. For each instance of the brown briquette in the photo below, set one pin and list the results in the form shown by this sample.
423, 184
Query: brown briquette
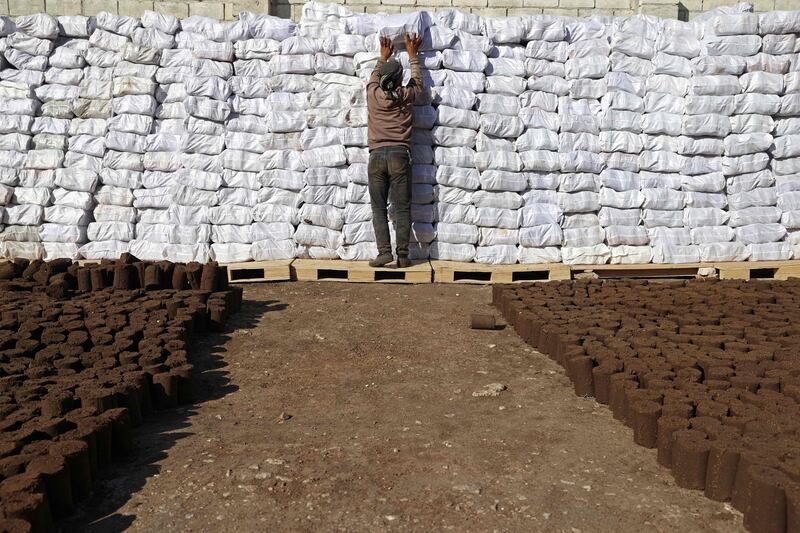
166, 269
792, 494
138, 275
98, 398
124, 277
193, 274
185, 382
164, 390
601, 378
644, 421
54, 470
141, 382
208, 276
766, 511
579, 370
127, 358
15, 525
100, 428
742, 486
711, 408
86, 434
128, 397
152, 277
76, 453
121, 431
56, 403
619, 384
8, 271
84, 277
24, 497
97, 275
689, 458
667, 425
723, 459
180, 280
216, 317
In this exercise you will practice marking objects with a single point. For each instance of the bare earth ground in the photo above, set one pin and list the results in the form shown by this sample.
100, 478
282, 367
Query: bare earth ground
385, 433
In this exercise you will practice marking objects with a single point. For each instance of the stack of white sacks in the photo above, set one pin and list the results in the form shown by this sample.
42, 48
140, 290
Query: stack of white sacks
321, 157
540, 234
65, 222
580, 161
671, 142
502, 180
38, 108
748, 92
732, 99
539, 139
273, 193
15, 130
779, 39
200, 188
453, 90
154, 45
661, 163
133, 106
621, 140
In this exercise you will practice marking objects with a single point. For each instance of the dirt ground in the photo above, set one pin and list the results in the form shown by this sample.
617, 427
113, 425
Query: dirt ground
350, 407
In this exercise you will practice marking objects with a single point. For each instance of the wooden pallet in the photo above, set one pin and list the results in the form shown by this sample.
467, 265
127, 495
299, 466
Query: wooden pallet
359, 272
453, 272
780, 270
259, 271
646, 270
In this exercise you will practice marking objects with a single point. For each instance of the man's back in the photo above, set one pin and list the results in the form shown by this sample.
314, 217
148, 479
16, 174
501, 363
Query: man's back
390, 120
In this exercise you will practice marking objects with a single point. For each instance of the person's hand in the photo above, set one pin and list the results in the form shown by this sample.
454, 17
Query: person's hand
413, 42
386, 48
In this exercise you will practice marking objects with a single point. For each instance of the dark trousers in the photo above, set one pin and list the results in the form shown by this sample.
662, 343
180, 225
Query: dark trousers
390, 181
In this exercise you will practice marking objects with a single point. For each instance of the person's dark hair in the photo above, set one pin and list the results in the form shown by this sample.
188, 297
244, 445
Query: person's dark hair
391, 78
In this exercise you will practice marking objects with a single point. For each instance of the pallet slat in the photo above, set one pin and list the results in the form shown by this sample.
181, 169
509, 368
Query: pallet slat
359, 272
453, 272
254, 271
780, 270
645, 270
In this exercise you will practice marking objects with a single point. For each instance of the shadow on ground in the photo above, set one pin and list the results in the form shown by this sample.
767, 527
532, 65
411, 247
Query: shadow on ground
161, 430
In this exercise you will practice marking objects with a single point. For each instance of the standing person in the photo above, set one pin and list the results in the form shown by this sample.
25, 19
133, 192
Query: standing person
389, 106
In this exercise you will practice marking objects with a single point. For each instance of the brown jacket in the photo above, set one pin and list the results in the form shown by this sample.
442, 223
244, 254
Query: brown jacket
390, 121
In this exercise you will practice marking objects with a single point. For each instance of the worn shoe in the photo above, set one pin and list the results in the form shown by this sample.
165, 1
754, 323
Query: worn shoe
381, 260
403, 262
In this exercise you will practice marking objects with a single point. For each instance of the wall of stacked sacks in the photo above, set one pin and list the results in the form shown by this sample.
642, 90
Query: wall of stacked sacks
540, 138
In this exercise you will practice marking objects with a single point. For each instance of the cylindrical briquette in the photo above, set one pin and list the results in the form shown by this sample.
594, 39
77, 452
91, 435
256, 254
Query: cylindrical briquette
767, 510
480, 321
645, 415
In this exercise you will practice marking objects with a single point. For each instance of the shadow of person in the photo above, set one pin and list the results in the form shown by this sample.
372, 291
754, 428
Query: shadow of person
162, 429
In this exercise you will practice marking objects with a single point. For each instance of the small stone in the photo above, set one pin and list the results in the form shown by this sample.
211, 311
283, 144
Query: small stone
284, 417
469, 489
492, 389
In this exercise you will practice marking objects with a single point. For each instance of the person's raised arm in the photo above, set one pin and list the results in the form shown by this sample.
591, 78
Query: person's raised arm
413, 42
386, 53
